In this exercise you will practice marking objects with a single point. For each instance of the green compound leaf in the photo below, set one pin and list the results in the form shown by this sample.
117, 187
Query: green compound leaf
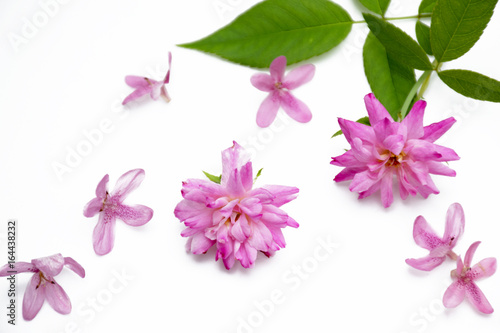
389, 80
456, 26
376, 6
297, 29
472, 84
364, 120
215, 179
423, 32
398, 44
426, 6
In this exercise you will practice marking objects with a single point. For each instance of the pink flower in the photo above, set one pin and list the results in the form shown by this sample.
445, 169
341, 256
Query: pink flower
42, 285
464, 285
144, 85
240, 220
387, 148
439, 247
110, 206
279, 86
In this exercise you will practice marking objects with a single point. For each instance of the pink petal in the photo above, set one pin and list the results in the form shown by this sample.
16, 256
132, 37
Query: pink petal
376, 111
74, 266
424, 235
101, 188
414, 121
347, 174
455, 223
477, 298
394, 143
167, 76
234, 159
156, 90
51, 265
261, 238
246, 254
138, 93
104, 233
268, 110
434, 131
241, 229
484, 268
195, 215
362, 182
199, 244
277, 68
136, 215
421, 150
299, 76
57, 298
136, 81
33, 298
282, 194
352, 130
295, 108
265, 196
386, 190
427, 263
263, 82
164, 94
454, 295
470, 254
229, 262
19, 267
127, 182
93, 207
438, 168
250, 206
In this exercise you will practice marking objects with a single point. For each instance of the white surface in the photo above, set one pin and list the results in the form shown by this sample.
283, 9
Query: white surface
68, 78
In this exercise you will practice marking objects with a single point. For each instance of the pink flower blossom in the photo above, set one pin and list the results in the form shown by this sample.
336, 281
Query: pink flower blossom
110, 207
439, 247
386, 148
144, 85
42, 285
464, 285
279, 88
240, 220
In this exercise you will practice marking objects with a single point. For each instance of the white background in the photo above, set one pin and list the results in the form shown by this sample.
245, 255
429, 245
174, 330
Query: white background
67, 78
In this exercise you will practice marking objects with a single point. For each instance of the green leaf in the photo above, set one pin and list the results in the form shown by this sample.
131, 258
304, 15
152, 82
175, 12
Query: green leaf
456, 26
376, 6
257, 175
426, 6
389, 80
472, 84
215, 179
297, 29
423, 32
398, 44
363, 120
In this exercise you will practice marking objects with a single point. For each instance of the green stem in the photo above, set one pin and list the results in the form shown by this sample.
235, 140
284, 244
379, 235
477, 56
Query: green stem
413, 91
419, 16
